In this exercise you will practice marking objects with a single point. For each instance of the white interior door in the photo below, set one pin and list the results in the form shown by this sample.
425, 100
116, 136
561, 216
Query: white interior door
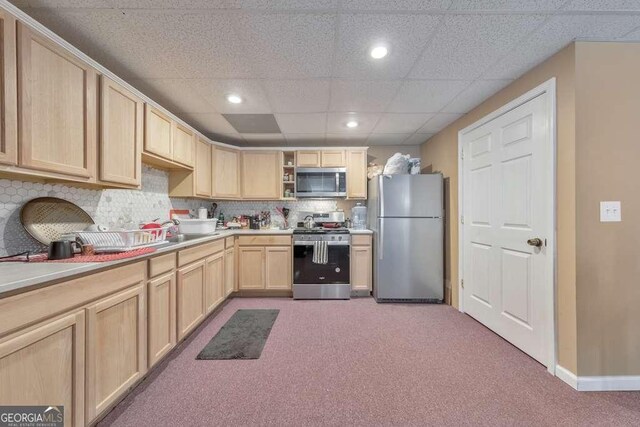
507, 168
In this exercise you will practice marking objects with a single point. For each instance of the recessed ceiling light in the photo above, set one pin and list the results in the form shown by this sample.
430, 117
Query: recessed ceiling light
352, 124
378, 52
234, 99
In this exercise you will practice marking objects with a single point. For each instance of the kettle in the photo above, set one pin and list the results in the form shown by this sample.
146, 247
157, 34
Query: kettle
309, 223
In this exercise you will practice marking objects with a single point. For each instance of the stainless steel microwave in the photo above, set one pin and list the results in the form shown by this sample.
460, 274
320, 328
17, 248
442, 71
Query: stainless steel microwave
321, 182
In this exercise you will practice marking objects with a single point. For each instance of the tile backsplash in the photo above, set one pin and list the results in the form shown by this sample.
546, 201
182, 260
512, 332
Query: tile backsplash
114, 207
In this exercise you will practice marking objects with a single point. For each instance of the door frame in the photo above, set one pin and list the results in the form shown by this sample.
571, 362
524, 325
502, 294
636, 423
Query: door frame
548, 87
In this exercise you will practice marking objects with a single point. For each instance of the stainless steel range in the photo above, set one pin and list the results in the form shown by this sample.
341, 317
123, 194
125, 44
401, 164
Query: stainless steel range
321, 261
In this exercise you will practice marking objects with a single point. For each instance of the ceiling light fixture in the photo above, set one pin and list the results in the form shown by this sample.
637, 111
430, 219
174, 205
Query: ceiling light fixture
234, 99
378, 52
352, 124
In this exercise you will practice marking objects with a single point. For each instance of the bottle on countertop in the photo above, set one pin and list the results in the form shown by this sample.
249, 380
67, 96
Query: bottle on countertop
221, 219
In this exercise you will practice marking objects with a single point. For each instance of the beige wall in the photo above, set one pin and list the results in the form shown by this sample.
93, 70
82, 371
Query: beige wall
440, 154
608, 265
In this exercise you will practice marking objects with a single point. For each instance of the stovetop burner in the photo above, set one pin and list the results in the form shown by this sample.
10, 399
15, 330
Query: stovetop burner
321, 230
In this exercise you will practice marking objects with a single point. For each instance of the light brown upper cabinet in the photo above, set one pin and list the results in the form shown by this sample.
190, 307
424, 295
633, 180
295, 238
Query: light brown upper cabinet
8, 91
203, 172
332, 158
121, 134
261, 175
57, 108
357, 174
226, 173
183, 144
308, 159
157, 135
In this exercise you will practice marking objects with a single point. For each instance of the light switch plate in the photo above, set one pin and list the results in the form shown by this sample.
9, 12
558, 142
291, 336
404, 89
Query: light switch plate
610, 211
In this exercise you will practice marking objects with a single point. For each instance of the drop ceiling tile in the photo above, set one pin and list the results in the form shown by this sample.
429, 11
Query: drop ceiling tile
337, 122
297, 96
405, 34
344, 139
362, 95
612, 5
313, 123
176, 95
288, 46
476, 93
170, 4
209, 123
466, 45
558, 32
394, 123
417, 139
395, 5
215, 91
305, 140
387, 138
253, 123
106, 36
632, 36
510, 5
233, 139
426, 96
264, 139
284, 4
83, 4
198, 45
439, 122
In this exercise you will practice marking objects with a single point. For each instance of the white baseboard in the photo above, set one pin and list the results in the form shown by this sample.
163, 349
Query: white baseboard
567, 376
603, 383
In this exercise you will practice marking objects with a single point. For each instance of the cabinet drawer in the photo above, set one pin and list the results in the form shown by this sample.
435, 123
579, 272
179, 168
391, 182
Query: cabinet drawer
228, 242
360, 240
162, 264
263, 240
187, 256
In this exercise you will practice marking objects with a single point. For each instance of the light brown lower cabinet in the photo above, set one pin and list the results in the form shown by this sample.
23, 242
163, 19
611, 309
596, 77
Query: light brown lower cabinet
278, 267
229, 271
161, 316
116, 347
361, 263
44, 365
190, 296
214, 287
264, 267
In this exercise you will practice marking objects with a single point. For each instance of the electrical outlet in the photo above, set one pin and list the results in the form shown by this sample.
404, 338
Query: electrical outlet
610, 212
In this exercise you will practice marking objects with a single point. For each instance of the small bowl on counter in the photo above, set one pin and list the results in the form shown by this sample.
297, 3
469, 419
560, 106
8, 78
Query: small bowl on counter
197, 226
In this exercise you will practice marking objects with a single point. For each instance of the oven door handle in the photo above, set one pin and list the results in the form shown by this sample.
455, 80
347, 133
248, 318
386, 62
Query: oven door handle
310, 243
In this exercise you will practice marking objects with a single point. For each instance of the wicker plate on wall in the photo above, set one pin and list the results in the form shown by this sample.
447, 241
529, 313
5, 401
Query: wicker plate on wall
48, 218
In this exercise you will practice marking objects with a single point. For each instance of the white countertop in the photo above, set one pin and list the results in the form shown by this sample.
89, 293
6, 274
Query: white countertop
16, 277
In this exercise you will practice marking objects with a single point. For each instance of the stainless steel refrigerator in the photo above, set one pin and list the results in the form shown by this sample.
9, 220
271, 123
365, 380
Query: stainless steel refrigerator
406, 215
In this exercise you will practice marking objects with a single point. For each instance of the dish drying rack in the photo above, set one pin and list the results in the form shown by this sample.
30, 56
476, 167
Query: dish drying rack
122, 241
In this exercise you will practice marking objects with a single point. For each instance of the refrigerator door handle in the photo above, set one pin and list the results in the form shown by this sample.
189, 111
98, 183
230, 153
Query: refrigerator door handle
381, 243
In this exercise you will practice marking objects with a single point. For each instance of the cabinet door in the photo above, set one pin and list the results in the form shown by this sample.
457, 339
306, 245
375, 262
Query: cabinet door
8, 91
251, 267
357, 174
190, 293
183, 144
226, 173
44, 365
261, 175
333, 158
162, 316
214, 287
308, 159
58, 108
361, 268
121, 134
278, 267
203, 178
116, 347
157, 133
229, 271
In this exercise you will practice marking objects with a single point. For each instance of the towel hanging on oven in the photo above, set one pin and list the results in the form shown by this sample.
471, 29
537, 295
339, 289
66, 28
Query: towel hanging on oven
320, 252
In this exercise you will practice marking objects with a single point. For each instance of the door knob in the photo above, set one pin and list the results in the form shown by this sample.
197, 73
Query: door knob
534, 242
